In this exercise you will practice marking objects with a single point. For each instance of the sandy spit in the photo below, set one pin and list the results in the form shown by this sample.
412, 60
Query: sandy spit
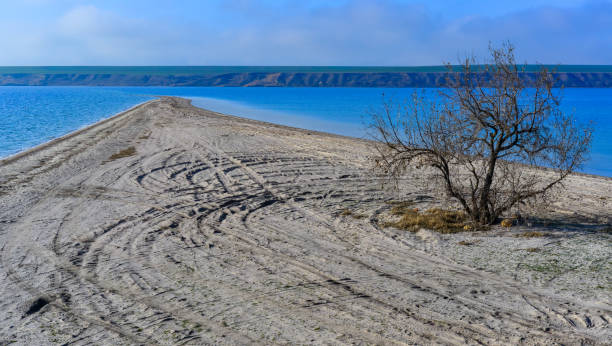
169, 224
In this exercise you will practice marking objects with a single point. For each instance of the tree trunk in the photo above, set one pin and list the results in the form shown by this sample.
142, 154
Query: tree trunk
485, 215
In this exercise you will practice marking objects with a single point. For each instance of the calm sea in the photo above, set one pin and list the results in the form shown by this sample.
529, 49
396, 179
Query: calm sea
34, 115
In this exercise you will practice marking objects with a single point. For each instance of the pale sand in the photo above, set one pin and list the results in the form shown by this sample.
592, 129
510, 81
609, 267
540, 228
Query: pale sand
221, 230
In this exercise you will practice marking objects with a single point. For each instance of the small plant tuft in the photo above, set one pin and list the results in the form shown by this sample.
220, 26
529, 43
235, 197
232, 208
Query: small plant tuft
123, 153
531, 234
348, 212
468, 243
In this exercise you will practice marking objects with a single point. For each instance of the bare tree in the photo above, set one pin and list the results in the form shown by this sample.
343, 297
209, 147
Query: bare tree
485, 135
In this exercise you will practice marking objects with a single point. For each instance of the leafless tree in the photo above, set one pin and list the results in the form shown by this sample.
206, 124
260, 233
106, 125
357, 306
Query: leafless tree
484, 135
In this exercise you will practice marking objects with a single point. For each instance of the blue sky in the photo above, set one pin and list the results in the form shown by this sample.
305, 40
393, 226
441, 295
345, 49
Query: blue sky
293, 32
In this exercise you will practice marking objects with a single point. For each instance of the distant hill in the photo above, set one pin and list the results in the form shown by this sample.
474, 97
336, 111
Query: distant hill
585, 76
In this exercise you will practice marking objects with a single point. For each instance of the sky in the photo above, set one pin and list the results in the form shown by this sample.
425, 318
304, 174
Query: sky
300, 32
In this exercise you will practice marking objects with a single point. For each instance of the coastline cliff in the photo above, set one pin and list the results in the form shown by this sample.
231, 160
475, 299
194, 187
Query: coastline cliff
278, 79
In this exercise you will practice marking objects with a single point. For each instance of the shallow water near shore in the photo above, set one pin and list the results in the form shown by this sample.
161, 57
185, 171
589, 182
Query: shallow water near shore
33, 115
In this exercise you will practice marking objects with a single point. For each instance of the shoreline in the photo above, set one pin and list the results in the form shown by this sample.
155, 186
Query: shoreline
41, 146
68, 135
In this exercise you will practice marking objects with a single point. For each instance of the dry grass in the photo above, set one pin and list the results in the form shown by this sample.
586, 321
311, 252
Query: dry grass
399, 208
531, 234
348, 212
444, 221
123, 153
468, 243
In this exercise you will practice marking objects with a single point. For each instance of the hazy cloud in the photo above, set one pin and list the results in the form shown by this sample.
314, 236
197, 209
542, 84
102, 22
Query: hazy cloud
350, 32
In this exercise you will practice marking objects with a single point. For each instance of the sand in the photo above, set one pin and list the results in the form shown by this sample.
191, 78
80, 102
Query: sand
169, 224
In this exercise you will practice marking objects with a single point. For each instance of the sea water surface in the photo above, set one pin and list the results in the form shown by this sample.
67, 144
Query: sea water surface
33, 115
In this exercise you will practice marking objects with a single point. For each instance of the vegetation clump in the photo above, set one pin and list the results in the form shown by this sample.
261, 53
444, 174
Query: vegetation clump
444, 221
531, 234
468, 243
123, 153
348, 212
400, 208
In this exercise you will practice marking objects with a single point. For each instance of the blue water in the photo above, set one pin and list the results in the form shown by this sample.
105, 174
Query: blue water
33, 115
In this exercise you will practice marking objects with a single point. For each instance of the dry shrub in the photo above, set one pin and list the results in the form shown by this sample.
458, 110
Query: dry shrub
485, 127
444, 221
531, 234
123, 153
